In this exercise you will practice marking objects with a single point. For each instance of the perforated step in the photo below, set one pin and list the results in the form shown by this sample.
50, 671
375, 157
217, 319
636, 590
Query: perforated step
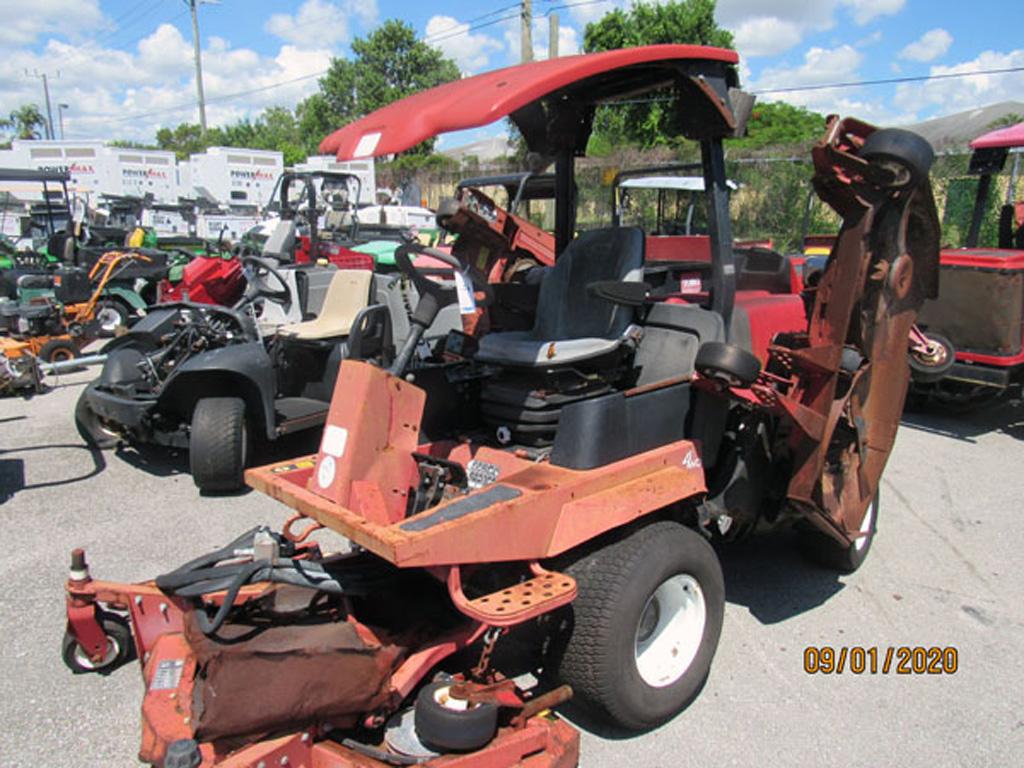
532, 597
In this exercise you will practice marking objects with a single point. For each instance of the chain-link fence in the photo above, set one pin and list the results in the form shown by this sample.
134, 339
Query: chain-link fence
773, 200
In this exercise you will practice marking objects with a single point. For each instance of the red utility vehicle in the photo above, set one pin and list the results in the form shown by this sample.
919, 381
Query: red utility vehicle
552, 488
974, 326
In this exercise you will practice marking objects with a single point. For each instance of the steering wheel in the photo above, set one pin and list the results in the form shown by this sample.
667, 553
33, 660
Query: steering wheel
257, 285
443, 294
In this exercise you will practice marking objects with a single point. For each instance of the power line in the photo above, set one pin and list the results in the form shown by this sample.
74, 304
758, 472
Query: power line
889, 81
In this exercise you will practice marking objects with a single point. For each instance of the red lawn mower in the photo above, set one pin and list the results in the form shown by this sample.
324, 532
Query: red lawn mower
554, 489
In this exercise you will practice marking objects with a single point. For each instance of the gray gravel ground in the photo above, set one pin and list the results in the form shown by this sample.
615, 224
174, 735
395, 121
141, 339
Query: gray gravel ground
946, 570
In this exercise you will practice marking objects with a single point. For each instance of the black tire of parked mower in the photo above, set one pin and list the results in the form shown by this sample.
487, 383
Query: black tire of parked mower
615, 583
124, 315
89, 427
449, 730
905, 148
57, 349
117, 631
923, 373
218, 444
727, 362
822, 550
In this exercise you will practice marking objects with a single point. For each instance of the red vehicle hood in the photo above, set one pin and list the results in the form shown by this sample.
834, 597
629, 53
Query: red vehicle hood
482, 99
1013, 136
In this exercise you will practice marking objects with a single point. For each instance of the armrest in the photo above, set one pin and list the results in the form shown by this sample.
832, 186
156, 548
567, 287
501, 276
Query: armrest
628, 294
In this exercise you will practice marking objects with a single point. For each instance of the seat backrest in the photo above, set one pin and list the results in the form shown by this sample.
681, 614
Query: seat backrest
281, 243
401, 297
348, 293
672, 335
564, 308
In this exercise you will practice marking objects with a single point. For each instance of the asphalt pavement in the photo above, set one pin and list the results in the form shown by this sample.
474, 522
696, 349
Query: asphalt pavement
946, 571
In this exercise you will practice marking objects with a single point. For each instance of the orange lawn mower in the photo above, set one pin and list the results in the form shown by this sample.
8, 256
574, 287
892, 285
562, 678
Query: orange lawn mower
552, 491
48, 334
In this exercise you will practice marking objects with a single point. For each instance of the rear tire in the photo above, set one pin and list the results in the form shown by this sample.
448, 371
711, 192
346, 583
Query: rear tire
57, 350
110, 315
645, 625
218, 444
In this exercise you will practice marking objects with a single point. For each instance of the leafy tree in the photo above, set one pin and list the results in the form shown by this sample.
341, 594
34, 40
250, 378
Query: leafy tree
1006, 121
776, 123
186, 139
390, 63
649, 23
24, 122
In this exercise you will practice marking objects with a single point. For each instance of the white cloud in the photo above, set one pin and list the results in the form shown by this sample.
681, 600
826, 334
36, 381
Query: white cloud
326, 23
472, 52
766, 36
929, 46
24, 22
585, 14
112, 93
964, 93
767, 29
866, 10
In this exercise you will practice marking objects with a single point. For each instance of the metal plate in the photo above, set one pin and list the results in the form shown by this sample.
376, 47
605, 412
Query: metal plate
400, 735
168, 675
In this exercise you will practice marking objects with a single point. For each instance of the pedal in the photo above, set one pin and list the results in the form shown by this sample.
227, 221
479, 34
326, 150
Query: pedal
525, 600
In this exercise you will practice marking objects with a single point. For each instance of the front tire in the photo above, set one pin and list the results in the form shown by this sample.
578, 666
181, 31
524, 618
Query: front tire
929, 368
645, 625
89, 426
218, 444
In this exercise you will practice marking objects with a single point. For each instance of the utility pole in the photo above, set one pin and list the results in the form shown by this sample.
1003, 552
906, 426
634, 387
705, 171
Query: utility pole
197, 55
526, 38
46, 94
553, 36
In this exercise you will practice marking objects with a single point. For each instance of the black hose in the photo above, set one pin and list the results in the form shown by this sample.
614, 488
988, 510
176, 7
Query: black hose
208, 627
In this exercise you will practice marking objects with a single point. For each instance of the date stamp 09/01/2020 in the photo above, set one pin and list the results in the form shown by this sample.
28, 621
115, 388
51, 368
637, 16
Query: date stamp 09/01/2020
873, 660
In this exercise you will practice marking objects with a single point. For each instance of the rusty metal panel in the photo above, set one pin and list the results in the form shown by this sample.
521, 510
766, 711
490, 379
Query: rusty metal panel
980, 310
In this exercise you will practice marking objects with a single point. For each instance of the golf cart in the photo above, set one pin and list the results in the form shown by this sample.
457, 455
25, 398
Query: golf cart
972, 350
553, 488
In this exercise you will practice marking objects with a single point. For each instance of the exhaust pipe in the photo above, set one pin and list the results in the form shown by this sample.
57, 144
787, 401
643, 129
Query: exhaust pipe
63, 366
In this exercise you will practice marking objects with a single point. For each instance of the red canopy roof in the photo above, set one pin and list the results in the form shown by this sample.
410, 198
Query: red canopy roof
1012, 136
482, 99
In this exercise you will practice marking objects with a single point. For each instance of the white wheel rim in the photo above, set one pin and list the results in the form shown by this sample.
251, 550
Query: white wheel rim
83, 660
108, 319
670, 630
443, 697
865, 528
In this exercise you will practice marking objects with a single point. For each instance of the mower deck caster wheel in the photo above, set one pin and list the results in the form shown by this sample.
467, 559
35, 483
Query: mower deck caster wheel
446, 724
119, 647
900, 159
825, 551
728, 364
927, 368
91, 428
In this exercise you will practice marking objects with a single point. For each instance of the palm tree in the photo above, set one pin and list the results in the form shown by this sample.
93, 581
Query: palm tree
24, 122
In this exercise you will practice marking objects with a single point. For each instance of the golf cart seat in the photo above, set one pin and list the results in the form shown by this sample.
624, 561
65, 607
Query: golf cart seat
348, 293
571, 325
281, 243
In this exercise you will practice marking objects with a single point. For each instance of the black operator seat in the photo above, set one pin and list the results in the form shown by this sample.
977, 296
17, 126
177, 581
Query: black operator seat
571, 325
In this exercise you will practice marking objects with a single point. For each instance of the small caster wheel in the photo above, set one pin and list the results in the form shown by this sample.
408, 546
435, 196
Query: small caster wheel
728, 364
119, 647
447, 724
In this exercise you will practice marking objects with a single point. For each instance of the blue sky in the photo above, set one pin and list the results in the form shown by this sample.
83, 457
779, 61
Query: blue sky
125, 66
